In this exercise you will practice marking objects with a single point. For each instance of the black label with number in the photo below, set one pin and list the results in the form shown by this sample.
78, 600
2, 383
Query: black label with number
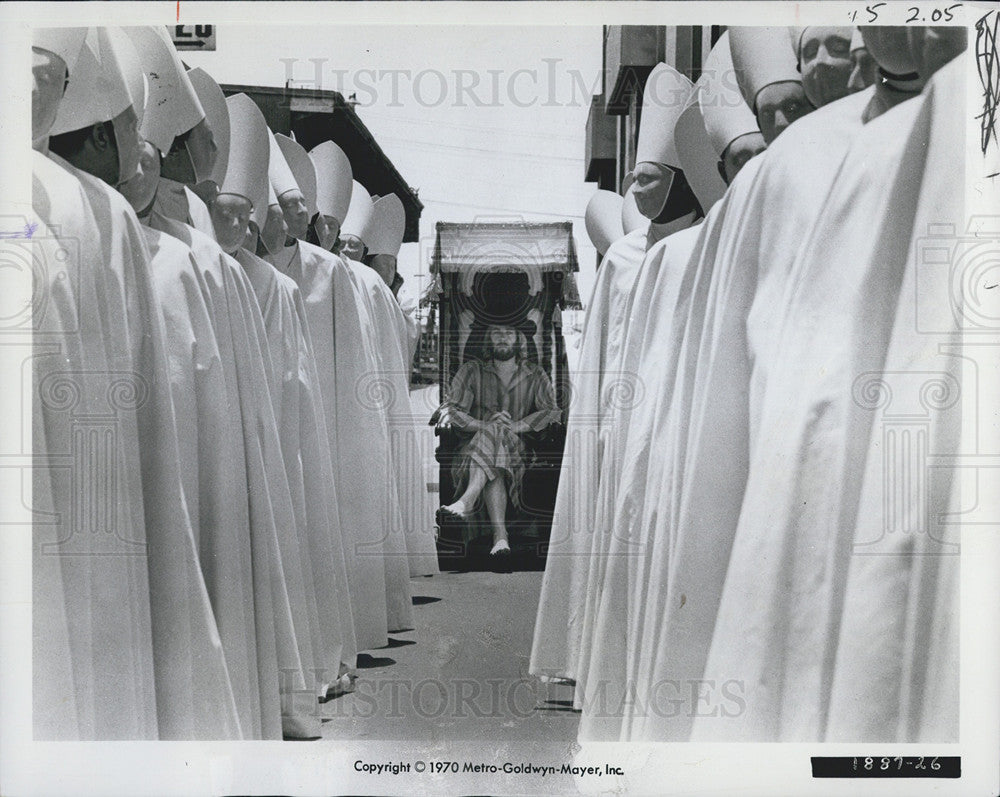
880, 766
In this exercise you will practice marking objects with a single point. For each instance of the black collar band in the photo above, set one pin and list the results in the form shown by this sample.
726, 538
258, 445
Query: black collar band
909, 76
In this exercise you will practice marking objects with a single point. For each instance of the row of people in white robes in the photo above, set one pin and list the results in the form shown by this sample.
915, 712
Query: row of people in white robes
239, 507
748, 544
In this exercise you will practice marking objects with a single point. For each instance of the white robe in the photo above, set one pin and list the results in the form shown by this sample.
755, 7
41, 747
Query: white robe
370, 398
93, 664
725, 354
189, 672
309, 461
207, 450
249, 626
340, 330
566, 583
393, 342
657, 310
571, 586
896, 672
305, 532
783, 587
408, 305
176, 201
635, 376
603, 700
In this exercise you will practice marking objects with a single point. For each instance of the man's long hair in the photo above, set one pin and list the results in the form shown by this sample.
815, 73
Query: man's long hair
520, 347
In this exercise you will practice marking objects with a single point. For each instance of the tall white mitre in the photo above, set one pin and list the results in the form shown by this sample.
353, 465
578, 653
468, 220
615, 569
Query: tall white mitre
359, 216
632, 219
334, 180
213, 102
303, 171
726, 113
665, 96
388, 226
279, 173
698, 157
249, 147
603, 219
857, 42
64, 42
272, 197
762, 56
173, 106
98, 92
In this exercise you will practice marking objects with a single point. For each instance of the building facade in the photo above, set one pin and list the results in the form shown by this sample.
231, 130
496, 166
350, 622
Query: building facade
630, 53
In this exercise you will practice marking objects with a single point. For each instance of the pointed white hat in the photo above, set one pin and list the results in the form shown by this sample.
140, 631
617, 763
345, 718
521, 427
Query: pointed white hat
302, 169
334, 180
172, 107
632, 219
603, 219
388, 226
131, 66
278, 171
249, 153
213, 101
359, 216
699, 159
272, 198
64, 42
727, 115
664, 98
108, 79
762, 56
857, 42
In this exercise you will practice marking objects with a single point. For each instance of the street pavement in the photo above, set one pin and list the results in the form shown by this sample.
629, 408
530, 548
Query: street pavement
462, 673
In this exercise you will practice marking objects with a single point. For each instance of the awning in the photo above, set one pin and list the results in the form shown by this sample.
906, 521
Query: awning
313, 116
505, 247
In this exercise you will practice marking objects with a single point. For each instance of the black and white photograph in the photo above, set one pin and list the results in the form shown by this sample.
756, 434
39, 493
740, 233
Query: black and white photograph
500, 398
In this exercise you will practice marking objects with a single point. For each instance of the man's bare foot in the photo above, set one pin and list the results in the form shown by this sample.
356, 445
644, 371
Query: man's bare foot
501, 546
458, 509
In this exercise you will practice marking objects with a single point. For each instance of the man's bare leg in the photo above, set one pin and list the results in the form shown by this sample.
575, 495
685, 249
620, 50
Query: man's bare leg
495, 494
477, 480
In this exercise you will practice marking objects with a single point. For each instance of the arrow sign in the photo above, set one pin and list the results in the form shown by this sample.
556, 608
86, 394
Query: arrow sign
193, 37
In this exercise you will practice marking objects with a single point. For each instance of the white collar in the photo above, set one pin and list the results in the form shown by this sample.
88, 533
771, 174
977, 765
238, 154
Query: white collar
658, 232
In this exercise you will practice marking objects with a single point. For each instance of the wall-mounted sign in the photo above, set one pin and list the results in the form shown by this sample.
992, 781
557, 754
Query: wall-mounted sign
193, 37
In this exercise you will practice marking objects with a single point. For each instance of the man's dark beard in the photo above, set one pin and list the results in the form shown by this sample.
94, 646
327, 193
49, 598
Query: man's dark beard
503, 353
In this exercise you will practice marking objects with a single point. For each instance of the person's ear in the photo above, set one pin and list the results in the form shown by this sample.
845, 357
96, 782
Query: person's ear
99, 137
721, 166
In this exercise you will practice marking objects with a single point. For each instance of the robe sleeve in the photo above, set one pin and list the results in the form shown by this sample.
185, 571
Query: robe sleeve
544, 401
457, 407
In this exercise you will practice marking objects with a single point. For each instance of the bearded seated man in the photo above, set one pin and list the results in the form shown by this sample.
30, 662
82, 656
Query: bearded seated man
497, 399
